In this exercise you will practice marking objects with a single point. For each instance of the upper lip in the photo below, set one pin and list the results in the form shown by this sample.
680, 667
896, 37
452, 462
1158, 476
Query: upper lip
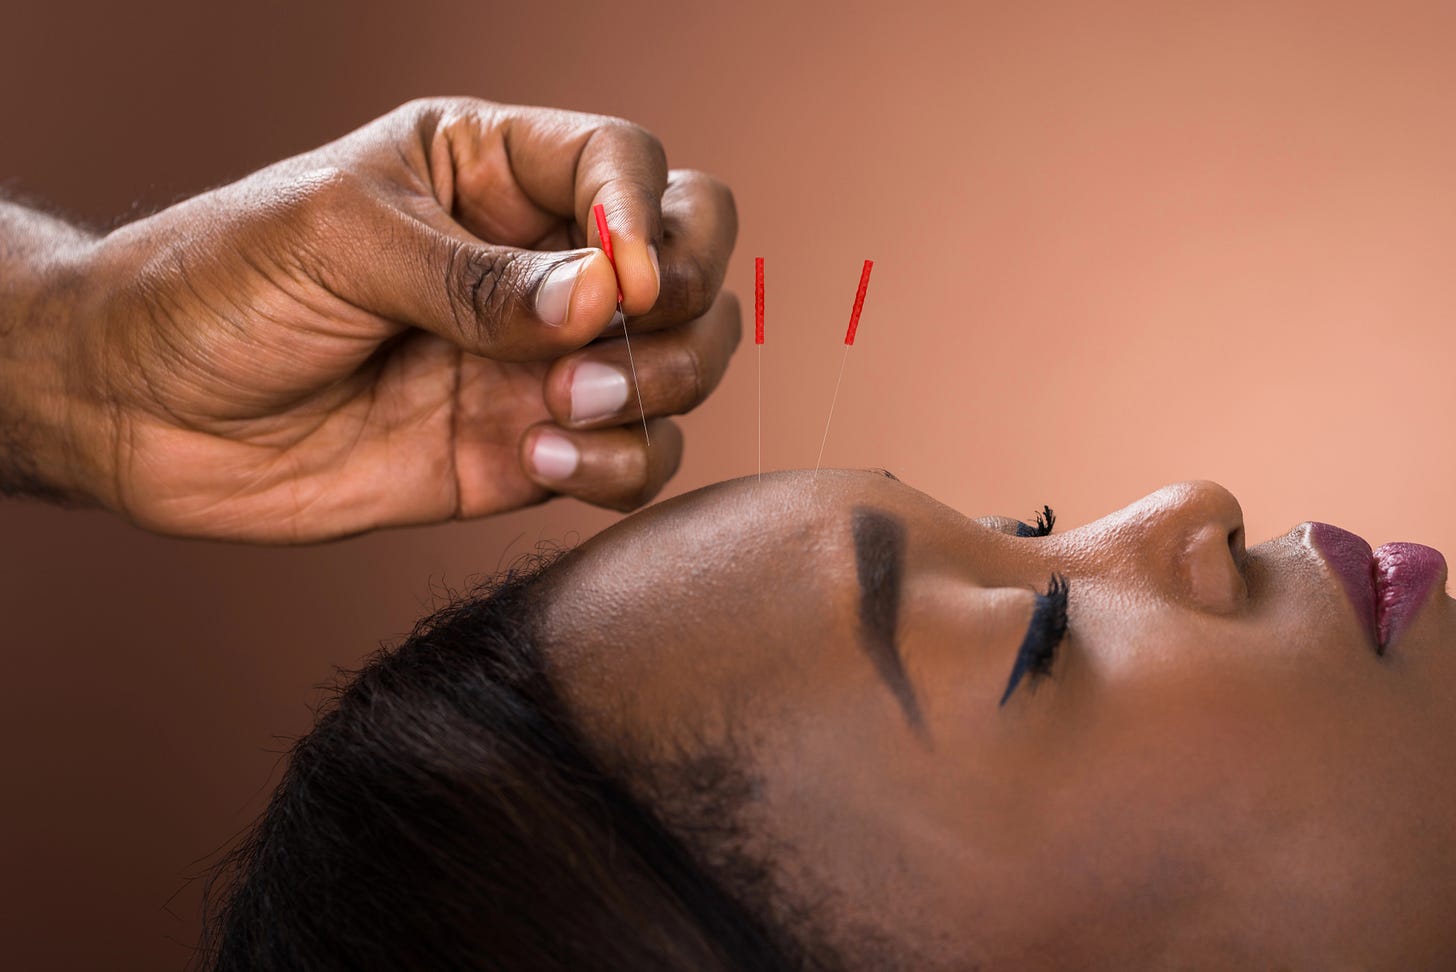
1352, 561
1386, 586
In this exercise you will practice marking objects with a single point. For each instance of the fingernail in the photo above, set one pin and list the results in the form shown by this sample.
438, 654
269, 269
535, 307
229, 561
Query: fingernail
597, 390
554, 456
656, 267
553, 296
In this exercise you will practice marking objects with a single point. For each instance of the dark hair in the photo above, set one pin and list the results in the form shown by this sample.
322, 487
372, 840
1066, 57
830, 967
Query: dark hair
446, 813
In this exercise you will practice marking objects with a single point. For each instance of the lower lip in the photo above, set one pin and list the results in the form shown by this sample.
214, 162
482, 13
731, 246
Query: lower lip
1404, 576
1387, 586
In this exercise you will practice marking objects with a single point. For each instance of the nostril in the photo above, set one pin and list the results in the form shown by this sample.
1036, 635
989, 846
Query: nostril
1213, 561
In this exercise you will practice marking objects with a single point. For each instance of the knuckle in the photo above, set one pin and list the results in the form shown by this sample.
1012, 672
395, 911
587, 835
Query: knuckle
644, 486
651, 144
316, 201
708, 187
732, 312
635, 483
634, 132
643, 144
477, 298
417, 120
696, 284
328, 186
448, 111
709, 184
694, 379
734, 337
431, 105
418, 107
309, 215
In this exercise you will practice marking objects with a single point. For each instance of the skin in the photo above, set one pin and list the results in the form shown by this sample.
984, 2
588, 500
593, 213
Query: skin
357, 337
1219, 771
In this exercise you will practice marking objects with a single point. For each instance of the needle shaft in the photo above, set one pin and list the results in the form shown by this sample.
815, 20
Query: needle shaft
832, 402
758, 354
631, 363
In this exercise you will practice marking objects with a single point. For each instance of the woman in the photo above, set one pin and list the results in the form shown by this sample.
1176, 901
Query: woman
825, 722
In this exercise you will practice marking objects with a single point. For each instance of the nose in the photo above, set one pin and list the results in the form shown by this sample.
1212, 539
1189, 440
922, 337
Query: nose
1186, 542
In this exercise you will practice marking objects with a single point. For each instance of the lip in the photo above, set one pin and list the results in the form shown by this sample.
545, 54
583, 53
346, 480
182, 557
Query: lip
1387, 586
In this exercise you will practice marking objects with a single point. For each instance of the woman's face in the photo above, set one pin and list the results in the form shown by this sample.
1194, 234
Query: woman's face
1222, 762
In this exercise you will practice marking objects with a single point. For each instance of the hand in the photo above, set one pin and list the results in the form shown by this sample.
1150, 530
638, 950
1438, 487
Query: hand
386, 330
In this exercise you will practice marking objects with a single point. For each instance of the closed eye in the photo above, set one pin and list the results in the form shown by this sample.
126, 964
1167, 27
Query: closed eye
1044, 635
1045, 520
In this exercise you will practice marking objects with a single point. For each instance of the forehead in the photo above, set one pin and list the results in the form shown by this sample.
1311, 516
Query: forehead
730, 545
720, 588
729, 527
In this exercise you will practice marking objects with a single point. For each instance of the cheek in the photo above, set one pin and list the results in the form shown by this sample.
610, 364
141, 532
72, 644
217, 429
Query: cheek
898, 833
1254, 772
1122, 640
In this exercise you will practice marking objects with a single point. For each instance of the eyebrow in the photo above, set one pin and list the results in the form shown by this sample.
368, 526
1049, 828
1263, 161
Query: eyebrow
879, 553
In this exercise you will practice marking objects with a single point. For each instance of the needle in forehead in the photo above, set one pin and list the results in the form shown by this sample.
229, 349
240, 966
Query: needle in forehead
859, 299
606, 236
758, 350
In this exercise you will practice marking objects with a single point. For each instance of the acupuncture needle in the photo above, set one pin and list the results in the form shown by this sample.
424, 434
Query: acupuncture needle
859, 299
601, 214
758, 350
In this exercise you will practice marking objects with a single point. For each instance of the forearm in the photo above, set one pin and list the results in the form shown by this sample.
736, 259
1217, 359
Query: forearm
48, 432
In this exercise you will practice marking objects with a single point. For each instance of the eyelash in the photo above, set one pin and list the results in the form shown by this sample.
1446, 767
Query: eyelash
1044, 635
1045, 520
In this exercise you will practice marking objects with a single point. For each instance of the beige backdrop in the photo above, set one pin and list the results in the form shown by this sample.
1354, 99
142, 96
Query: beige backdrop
1114, 250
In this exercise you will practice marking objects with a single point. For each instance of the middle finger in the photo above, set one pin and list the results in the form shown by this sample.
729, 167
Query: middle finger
676, 369
700, 226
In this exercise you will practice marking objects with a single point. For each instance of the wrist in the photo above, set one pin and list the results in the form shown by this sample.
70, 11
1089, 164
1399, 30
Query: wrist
54, 442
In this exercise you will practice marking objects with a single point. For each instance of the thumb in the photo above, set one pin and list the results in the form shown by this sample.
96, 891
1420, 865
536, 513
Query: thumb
498, 302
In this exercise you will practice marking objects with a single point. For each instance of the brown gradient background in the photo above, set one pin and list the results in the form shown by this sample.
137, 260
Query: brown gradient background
1114, 249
